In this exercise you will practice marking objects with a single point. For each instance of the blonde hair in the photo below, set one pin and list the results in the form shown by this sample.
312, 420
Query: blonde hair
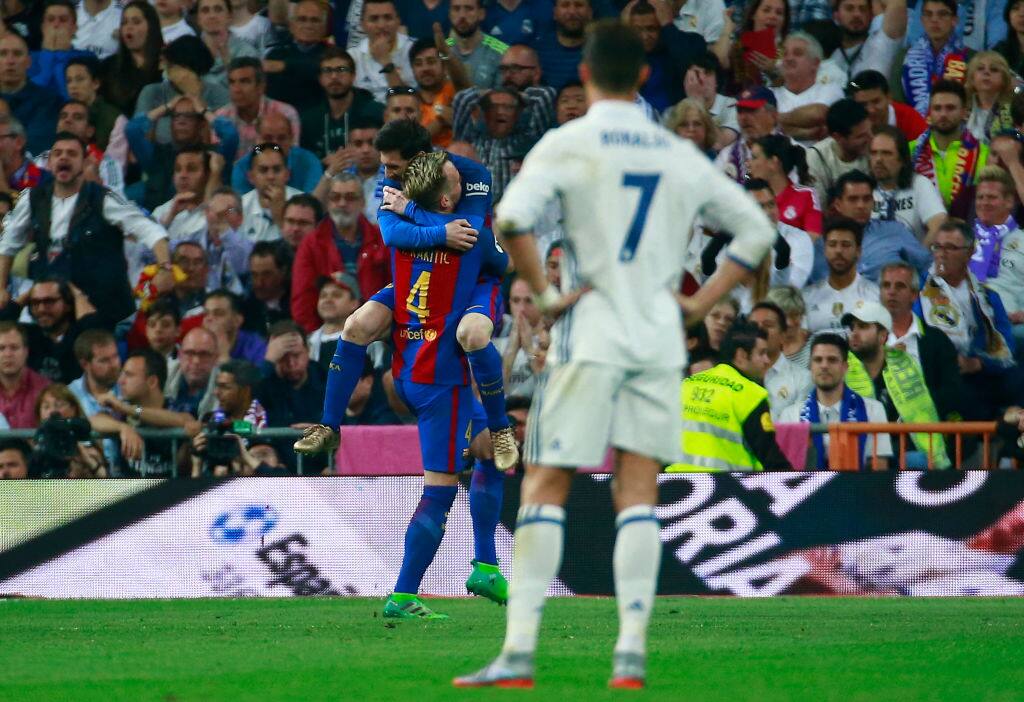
424, 180
788, 299
683, 109
995, 174
1000, 64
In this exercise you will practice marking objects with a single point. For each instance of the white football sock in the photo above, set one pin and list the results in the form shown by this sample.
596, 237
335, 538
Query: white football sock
636, 562
540, 531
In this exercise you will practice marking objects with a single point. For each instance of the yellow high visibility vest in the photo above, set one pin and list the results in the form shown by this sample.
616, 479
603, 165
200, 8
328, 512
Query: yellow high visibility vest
716, 403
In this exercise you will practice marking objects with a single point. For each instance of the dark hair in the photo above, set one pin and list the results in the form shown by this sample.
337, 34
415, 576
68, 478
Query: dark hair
950, 87
123, 68
244, 373
190, 52
1012, 50
164, 307
274, 249
88, 340
748, 18
378, 2
224, 294
67, 4
754, 184
419, 46
831, 339
844, 224
867, 80
63, 289
709, 62
68, 136
7, 326
336, 52
363, 122
741, 335
155, 362
615, 55
199, 149
518, 402
827, 32
19, 445
486, 103
771, 307
950, 5
8, 198
570, 84
844, 115
306, 200
1017, 105
286, 326
954, 224
853, 177
407, 137
790, 155
642, 7
90, 63
906, 175
252, 62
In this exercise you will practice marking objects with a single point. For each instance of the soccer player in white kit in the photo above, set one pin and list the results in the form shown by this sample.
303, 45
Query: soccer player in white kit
630, 191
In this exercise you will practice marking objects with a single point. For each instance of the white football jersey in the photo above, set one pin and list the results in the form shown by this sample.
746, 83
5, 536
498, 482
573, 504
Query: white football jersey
630, 191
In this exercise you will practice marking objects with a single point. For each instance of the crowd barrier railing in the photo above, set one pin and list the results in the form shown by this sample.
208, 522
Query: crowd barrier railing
844, 441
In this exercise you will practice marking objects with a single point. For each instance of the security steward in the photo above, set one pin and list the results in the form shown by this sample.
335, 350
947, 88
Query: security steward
727, 424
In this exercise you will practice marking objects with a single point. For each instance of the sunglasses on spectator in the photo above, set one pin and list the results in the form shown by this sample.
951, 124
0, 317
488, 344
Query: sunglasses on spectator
265, 146
401, 90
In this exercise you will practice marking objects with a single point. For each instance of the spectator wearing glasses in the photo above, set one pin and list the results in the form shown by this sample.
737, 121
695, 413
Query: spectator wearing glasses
304, 169
292, 67
301, 215
263, 207
18, 172
871, 89
34, 106
249, 104
382, 58
480, 53
327, 125
189, 386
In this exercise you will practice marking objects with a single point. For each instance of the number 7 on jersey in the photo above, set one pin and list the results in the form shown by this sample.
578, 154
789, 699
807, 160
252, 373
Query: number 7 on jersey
647, 184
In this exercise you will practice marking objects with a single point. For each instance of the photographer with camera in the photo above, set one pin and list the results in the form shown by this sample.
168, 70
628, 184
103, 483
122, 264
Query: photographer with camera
227, 456
62, 446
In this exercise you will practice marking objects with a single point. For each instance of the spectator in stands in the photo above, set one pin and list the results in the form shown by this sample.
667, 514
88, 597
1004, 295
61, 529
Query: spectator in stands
844, 288
99, 167
688, 119
263, 207
932, 350
61, 312
163, 327
523, 349
382, 58
235, 390
757, 114
173, 25
201, 276
803, 99
191, 123
796, 269
994, 203
184, 215
96, 264
338, 298
796, 339
227, 249
301, 215
670, 51
832, 401
1009, 284
34, 106
189, 385
97, 26
214, 18
900, 194
401, 102
891, 376
292, 388
137, 61
327, 124
48, 64
1011, 46
844, 150
81, 76
253, 28
718, 320
268, 298
304, 169
439, 75
773, 158
785, 381
867, 45
481, 53
990, 88
939, 55
560, 50
259, 459
974, 319
292, 67
361, 158
883, 241
222, 315
871, 89
368, 405
247, 85
20, 172
516, 21
19, 385
14, 455
947, 153
343, 241
58, 401
702, 81
753, 68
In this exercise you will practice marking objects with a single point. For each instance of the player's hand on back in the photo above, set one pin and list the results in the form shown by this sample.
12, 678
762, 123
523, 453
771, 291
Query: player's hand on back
459, 235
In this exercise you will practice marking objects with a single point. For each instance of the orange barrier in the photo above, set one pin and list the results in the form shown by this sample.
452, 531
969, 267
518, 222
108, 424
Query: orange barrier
843, 441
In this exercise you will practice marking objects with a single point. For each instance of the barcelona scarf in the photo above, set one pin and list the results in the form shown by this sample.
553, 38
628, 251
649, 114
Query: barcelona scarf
923, 159
922, 68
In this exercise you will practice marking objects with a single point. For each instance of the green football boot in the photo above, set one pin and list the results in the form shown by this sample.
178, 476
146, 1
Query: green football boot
403, 606
487, 581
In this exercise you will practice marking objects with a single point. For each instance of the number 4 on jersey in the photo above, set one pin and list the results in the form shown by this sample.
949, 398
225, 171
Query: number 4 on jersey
647, 184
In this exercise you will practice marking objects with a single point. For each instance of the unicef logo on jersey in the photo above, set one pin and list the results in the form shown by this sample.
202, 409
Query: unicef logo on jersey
245, 524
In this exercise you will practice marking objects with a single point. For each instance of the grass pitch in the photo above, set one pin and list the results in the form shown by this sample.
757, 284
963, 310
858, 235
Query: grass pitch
340, 649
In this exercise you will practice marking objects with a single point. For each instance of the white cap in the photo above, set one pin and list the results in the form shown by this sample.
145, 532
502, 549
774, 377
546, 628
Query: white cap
869, 312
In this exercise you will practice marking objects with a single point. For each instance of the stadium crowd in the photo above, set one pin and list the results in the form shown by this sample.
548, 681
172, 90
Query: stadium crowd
191, 191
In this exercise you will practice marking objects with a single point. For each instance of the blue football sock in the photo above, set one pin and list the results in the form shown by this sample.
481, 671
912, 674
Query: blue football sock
423, 537
342, 377
486, 365
485, 494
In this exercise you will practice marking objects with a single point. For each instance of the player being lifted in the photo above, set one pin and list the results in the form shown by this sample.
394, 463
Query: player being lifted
630, 191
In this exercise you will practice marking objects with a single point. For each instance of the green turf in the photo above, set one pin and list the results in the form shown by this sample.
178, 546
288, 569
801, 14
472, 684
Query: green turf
340, 649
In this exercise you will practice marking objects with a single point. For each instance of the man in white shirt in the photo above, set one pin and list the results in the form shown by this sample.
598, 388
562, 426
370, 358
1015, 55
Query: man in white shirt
844, 289
803, 101
901, 194
866, 44
98, 25
184, 215
831, 402
705, 17
844, 150
382, 58
785, 381
263, 206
